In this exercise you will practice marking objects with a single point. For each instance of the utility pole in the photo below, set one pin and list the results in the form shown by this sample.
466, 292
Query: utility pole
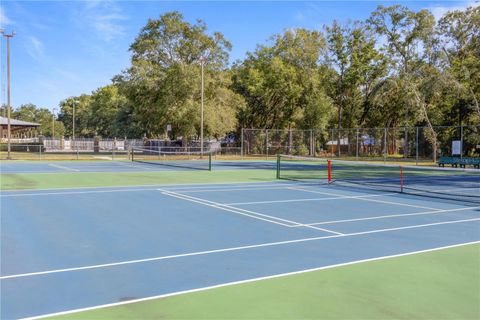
202, 62
9, 132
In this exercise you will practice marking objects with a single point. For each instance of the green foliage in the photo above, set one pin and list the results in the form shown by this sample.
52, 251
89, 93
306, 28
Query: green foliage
397, 68
281, 83
81, 106
357, 67
43, 116
105, 106
164, 82
460, 32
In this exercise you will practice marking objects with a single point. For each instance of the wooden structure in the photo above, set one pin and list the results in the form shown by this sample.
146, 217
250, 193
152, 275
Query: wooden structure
19, 129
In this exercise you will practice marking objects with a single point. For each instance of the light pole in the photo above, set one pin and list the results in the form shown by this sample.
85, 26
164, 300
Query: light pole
202, 62
8, 36
53, 122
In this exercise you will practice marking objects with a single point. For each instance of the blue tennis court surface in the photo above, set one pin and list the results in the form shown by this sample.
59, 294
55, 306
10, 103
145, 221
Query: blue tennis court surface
70, 249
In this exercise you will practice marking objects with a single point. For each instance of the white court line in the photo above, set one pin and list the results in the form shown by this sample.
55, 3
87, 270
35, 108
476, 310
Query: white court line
179, 186
235, 189
222, 208
249, 280
75, 192
234, 185
220, 205
25, 192
62, 167
392, 216
227, 206
372, 200
309, 199
271, 244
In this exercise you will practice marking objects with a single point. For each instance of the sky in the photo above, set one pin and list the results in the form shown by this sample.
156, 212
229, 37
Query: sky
67, 48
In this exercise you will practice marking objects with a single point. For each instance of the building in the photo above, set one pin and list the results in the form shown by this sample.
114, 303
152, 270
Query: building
19, 129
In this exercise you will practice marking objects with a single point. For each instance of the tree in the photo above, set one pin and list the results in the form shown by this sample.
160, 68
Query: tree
281, 83
409, 39
356, 67
82, 116
459, 33
163, 82
105, 106
31, 113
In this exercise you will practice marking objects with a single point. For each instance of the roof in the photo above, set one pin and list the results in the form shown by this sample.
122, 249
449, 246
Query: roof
18, 123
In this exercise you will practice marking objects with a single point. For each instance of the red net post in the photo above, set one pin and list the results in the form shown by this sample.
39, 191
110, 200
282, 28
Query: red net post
329, 171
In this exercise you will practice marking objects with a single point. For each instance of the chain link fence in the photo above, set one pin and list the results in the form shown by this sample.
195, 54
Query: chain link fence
387, 144
270, 142
414, 144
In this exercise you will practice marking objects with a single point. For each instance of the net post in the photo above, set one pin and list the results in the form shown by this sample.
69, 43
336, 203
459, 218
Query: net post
401, 179
209, 161
278, 166
329, 166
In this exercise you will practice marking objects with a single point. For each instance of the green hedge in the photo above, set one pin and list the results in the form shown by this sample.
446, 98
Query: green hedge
18, 147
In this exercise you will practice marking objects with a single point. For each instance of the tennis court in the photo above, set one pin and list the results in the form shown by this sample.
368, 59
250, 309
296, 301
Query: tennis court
83, 248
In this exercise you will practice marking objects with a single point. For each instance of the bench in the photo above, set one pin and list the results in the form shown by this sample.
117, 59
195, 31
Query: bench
459, 162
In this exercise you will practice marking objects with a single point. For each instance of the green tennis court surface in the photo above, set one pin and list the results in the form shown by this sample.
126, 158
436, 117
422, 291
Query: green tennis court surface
108, 179
441, 284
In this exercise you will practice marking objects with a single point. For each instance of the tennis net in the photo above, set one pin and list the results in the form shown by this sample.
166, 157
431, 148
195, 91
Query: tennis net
446, 183
185, 160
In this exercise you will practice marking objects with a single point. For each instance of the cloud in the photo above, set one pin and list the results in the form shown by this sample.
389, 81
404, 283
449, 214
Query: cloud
35, 48
105, 17
439, 11
4, 20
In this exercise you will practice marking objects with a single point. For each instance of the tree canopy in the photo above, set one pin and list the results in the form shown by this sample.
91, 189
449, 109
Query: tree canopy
399, 67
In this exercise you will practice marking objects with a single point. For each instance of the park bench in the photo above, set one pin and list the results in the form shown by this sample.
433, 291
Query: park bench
459, 162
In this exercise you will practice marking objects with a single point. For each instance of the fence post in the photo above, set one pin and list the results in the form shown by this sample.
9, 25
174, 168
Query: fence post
405, 145
461, 141
416, 147
289, 141
339, 143
385, 145
312, 145
331, 143
241, 143
356, 145
266, 143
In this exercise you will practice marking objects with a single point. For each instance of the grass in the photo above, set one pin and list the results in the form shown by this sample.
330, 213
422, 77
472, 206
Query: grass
443, 284
107, 179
